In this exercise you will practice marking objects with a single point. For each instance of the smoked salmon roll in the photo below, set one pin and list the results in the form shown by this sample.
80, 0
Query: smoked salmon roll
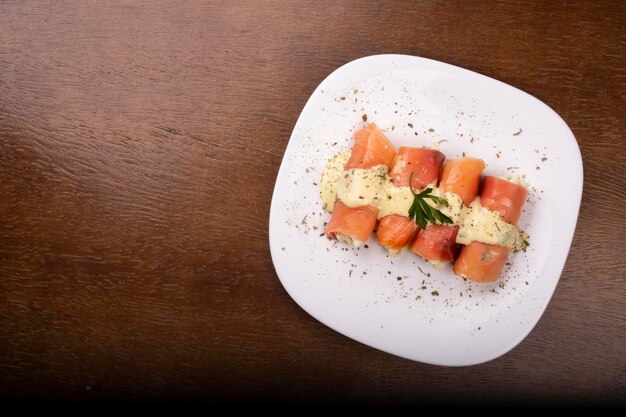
504, 197
352, 225
371, 148
437, 243
482, 262
421, 167
462, 177
395, 231
356, 224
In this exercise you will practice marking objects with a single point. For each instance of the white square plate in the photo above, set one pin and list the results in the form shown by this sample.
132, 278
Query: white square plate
402, 305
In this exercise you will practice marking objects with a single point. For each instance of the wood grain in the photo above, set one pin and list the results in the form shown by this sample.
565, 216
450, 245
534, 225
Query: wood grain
139, 144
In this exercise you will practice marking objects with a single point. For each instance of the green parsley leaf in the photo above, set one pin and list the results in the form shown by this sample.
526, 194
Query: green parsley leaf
422, 212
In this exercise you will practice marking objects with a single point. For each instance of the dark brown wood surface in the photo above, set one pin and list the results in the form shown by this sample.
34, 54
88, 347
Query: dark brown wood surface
139, 144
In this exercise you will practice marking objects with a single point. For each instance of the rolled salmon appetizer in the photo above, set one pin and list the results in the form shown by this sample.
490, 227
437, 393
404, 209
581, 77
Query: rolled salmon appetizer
371, 148
356, 224
462, 177
437, 243
352, 225
421, 167
482, 262
504, 197
395, 231
439, 223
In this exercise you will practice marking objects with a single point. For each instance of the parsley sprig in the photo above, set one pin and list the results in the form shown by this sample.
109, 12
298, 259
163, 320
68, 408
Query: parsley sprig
422, 212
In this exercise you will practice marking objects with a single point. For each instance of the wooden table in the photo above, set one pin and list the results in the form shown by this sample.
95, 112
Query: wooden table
139, 144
